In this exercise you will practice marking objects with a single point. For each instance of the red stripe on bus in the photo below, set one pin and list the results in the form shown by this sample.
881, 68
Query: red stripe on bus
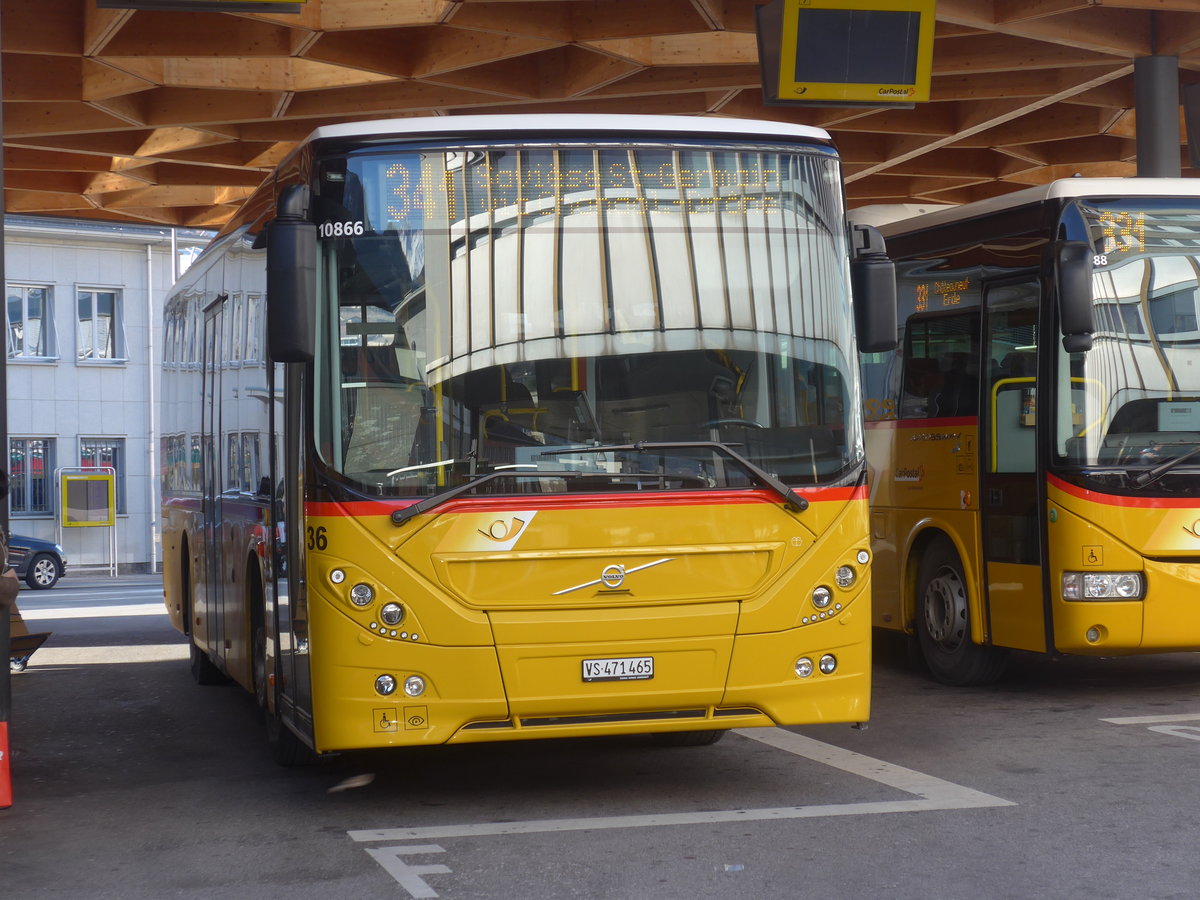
955, 422
625, 501
1120, 500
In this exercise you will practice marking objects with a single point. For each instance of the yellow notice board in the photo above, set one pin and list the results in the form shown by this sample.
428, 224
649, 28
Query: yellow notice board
88, 500
846, 52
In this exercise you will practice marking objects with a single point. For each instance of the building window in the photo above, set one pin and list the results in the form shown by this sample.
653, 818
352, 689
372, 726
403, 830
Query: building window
103, 451
98, 325
30, 474
30, 322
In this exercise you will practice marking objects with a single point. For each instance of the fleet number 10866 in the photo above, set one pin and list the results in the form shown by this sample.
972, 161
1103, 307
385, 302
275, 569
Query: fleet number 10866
341, 229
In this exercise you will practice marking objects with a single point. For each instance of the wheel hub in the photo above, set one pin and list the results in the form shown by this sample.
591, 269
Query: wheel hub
946, 609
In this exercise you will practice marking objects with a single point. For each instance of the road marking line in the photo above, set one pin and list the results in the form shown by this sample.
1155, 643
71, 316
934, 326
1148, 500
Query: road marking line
931, 794
1152, 720
92, 612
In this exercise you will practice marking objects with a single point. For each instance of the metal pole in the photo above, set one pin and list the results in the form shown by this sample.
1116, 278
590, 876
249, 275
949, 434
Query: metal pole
5, 626
1156, 99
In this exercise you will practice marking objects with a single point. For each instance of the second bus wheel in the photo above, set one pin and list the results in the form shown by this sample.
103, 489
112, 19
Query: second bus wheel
943, 615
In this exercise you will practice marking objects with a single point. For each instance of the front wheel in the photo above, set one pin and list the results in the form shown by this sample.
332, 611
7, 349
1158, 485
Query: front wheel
286, 748
688, 738
43, 572
944, 622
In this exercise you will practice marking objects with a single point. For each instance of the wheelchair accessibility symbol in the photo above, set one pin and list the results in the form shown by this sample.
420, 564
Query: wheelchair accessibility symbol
385, 719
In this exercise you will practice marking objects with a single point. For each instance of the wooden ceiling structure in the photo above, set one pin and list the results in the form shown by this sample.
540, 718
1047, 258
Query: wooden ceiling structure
174, 117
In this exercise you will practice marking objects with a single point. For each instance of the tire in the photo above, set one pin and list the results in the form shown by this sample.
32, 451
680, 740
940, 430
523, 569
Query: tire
43, 572
286, 748
689, 738
943, 613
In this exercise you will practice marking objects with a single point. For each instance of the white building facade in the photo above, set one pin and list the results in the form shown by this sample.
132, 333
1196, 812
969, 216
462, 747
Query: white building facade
84, 355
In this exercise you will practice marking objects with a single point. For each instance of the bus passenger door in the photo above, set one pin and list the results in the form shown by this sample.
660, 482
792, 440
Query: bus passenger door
207, 613
1009, 489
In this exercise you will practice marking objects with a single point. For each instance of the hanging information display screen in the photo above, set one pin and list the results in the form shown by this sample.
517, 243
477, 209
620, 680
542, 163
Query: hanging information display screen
846, 52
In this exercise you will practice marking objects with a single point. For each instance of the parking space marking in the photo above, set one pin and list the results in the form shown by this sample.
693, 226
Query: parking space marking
929, 794
1152, 720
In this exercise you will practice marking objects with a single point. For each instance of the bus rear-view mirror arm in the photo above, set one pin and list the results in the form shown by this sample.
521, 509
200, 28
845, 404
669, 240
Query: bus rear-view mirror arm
873, 284
1073, 275
292, 278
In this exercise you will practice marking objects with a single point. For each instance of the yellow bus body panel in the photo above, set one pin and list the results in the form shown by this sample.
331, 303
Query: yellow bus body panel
504, 603
1097, 532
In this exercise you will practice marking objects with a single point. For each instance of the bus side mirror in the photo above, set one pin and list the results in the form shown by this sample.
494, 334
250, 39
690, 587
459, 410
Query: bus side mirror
1073, 275
873, 285
292, 278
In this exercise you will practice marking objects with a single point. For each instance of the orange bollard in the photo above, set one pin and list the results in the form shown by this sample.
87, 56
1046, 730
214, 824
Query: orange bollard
5, 774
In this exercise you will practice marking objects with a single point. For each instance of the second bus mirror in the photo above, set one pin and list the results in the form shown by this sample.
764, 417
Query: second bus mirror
292, 278
873, 284
1073, 275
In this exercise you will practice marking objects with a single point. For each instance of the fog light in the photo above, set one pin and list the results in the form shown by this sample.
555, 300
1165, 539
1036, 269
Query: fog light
385, 684
1093, 635
821, 597
863, 557
828, 664
362, 594
392, 613
804, 667
414, 685
337, 576
844, 576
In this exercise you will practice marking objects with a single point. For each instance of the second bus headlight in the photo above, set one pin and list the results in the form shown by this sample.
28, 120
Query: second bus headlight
362, 594
392, 613
1103, 586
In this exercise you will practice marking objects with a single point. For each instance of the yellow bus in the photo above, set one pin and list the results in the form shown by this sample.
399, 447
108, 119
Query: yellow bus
1035, 438
491, 428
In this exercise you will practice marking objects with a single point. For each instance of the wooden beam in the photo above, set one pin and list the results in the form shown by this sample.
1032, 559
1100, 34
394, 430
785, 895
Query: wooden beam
188, 34
359, 15
571, 71
672, 80
46, 26
706, 48
916, 147
395, 97
29, 119
1002, 53
31, 78
102, 81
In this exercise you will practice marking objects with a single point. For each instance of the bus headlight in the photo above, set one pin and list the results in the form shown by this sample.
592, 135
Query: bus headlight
828, 664
414, 685
804, 667
392, 613
1103, 586
362, 594
821, 597
844, 576
385, 685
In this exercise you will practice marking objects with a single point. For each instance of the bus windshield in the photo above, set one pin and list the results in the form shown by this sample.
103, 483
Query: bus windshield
1134, 398
490, 309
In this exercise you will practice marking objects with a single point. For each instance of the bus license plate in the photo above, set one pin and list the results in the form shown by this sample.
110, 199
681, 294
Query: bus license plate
624, 668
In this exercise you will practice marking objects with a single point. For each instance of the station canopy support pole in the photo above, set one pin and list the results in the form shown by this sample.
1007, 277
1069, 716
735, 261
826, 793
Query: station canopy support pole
1156, 99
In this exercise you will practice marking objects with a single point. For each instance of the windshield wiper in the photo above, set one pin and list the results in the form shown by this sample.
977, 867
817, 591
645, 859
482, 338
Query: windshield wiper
790, 497
1152, 475
400, 516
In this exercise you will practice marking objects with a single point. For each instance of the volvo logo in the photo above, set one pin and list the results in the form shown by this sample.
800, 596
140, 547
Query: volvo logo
613, 576
1194, 531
